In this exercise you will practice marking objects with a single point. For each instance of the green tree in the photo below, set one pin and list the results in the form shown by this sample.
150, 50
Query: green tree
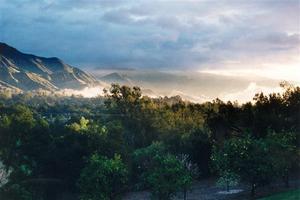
16, 131
162, 172
191, 168
228, 179
246, 157
102, 178
284, 153
81, 126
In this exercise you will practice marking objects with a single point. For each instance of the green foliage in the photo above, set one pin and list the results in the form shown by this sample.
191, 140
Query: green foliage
81, 126
16, 131
102, 178
16, 192
162, 172
197, 146
247, 157
256, 160
284, 153
49, 138
228, 179
290, 195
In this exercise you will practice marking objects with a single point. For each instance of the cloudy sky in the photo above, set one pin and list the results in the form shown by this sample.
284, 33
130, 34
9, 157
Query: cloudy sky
215, 36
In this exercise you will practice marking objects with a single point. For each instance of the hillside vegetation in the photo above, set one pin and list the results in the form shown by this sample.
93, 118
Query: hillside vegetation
100, 148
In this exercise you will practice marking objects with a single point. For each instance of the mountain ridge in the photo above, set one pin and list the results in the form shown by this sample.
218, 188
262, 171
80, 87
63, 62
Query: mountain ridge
116, 77
31, 72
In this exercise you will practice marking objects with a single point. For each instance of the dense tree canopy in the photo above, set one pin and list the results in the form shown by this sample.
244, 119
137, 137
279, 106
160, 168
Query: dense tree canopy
161, 171
47, 141
102, 178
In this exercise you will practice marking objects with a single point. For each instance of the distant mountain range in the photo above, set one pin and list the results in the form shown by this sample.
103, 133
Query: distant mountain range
116, 78
25, 72
29, 72
189, 85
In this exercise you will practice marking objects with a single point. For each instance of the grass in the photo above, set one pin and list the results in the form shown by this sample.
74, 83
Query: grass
290, 195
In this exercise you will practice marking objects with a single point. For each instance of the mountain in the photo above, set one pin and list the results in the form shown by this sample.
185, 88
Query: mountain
116, 78
194, 86
29, 72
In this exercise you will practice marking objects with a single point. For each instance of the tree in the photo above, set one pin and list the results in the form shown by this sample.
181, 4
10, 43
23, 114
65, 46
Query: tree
81, 126
124, 104
24, 141
246, 157
102, 178
162, 172
284, 153
16, 134
198, 146
228, 179
191, 168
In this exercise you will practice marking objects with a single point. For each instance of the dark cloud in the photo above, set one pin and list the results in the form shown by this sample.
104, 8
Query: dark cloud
153, 34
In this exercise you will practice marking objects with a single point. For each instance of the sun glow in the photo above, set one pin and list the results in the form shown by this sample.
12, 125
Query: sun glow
269, 71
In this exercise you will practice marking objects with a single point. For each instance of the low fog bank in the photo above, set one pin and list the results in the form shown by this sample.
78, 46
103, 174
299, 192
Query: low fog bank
87, 92
191, 86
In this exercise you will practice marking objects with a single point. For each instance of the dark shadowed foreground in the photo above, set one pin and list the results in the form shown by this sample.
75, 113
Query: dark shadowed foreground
207, 190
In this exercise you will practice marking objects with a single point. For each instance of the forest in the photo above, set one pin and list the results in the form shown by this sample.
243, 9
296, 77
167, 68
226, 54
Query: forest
100, 148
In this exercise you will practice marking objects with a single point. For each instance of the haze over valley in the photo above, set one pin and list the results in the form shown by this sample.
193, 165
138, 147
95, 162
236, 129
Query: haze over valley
26, 72
199, 50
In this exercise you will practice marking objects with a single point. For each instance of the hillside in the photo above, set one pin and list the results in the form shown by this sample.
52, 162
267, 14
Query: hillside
116, 78
30, 72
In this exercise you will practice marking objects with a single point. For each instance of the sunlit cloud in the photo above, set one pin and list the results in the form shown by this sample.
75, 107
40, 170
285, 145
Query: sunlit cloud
269, 71
248, 93
154, 34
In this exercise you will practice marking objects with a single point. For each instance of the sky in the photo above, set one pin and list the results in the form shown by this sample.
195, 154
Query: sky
251, 37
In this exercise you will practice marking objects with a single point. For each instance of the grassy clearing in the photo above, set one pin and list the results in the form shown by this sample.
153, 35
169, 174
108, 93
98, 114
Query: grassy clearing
290, 195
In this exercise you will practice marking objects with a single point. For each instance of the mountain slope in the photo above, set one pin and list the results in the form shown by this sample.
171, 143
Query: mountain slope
116, 78
30, 72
